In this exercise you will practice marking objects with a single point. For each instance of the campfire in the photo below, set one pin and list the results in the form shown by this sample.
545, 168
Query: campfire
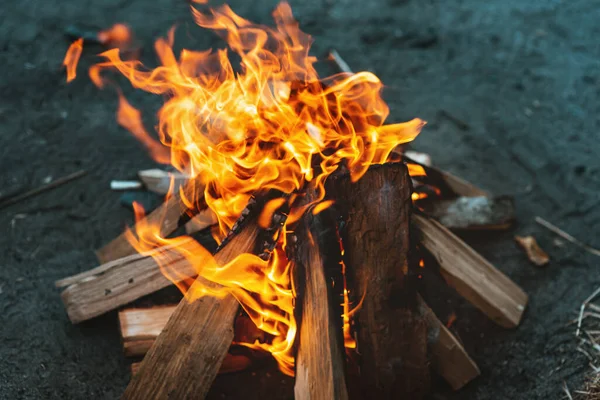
306, 227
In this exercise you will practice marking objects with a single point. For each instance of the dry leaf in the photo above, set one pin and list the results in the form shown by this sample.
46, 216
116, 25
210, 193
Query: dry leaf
535, 254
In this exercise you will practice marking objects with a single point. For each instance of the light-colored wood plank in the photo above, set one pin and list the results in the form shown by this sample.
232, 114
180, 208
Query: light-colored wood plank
143, 323
188, 353
473, 277
118, 284
320, 356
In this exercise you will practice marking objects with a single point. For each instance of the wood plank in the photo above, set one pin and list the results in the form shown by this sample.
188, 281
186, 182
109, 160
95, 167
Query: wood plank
143, 323
167, 216
188, 353
139, 328
108, 287
448, 356
320, 355
159, 181
392, 335
471, 275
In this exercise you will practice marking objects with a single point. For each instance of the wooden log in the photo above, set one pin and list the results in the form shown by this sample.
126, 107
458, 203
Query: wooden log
169, 216
188, 353
473, 213
231, 363
461, 186
471, 275
203, 220
448, 356
392, 335
320, 356
458, 185
139, 328
160, 181
116, 283
143, 323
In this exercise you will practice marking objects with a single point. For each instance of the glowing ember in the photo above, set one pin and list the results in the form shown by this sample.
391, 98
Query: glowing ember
269, 124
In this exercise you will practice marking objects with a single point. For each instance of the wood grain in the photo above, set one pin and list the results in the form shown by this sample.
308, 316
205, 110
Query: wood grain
471, 275
166, 216
392, 335
448, 356
117, 283
188, 353
320, 357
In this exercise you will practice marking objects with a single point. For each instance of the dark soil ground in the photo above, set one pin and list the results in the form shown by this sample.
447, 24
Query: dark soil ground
524, 76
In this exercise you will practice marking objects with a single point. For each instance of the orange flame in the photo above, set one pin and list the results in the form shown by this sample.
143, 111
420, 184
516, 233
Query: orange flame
130, 118
271, 124
72, 58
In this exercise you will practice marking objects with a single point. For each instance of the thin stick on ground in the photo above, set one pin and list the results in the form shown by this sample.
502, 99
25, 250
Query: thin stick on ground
566, 236
52, 185
567, 391
582, 309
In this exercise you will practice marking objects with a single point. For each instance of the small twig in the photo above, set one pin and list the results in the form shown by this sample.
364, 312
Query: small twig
566, 390
339, 61
582, 309
454, 119
566, 236
41, 189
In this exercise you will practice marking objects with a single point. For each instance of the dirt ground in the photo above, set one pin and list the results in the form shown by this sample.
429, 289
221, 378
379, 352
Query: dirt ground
523, 75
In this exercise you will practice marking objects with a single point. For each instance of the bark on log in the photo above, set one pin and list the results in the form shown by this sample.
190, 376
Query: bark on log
471, 275
320, 357
392, 335
448, 356
188, 353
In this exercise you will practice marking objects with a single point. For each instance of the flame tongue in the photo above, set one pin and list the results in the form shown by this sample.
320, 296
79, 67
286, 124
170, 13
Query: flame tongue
274, 125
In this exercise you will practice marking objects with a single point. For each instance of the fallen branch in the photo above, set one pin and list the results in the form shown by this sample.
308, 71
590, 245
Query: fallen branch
566, 236
52, 185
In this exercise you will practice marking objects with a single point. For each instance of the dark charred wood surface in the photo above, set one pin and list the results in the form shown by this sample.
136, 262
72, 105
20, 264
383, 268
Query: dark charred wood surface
392, 334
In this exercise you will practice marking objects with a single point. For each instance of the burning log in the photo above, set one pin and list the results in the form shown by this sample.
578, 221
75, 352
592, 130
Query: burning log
392, 335
140, 327
471, 275
168, 216
319, 360
203, 220
448, 356
188, 353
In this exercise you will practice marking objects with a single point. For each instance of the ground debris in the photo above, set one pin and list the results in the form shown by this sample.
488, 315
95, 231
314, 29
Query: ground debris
534, 252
